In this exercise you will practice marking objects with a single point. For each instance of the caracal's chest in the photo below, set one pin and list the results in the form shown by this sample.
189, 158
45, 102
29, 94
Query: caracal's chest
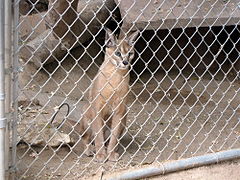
113, 86
110, 88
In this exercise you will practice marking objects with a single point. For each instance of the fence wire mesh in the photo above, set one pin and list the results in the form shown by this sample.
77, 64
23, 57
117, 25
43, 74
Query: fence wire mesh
182, 98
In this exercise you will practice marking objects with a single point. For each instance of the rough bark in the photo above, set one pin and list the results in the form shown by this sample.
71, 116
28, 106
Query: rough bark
83, 19
41, 49
70, 24
27, 7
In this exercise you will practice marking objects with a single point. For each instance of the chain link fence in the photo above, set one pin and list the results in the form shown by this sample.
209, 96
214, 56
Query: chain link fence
182, 99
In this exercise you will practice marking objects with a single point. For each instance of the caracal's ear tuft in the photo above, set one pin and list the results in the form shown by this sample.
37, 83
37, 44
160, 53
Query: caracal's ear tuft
132, 38
110, 38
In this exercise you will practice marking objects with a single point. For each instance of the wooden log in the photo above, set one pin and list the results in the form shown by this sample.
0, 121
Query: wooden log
78, 20
27, 7
70, 24
43, 48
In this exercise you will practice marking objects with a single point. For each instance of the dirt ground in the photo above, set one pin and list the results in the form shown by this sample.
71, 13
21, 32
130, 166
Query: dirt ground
171, 116
224, 170
227, 170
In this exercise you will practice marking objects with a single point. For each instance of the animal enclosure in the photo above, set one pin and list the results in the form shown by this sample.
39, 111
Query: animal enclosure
183, 97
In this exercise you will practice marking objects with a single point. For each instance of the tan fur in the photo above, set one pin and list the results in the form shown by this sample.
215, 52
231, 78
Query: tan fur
108, 99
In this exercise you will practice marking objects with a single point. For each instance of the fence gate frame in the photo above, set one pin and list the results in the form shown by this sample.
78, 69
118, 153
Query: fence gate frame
9, 70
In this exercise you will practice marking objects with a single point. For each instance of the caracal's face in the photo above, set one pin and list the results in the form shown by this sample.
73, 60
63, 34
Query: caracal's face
121, 54
120, 51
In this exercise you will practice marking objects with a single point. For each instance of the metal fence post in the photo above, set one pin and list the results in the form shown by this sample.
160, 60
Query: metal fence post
8, 64
2, 94
15, 85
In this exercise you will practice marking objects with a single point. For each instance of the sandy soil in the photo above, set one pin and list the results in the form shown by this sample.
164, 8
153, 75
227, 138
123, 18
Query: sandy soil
170, 117
227, 170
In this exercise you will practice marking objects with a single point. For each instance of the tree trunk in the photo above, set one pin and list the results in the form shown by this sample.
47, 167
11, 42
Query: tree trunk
70, 24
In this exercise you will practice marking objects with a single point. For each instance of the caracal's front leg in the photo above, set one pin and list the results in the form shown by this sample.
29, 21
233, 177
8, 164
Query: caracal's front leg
117, 127
97, 128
